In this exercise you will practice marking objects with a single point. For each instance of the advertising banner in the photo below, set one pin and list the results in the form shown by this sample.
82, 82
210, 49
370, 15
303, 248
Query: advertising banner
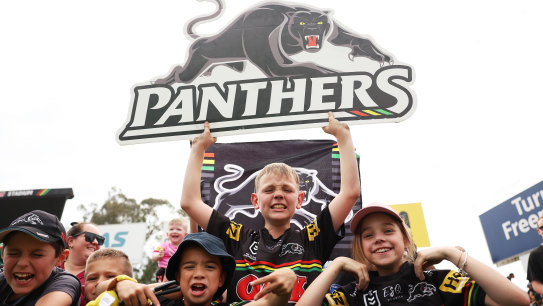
15, 203
510, 228
128, 238
413, 216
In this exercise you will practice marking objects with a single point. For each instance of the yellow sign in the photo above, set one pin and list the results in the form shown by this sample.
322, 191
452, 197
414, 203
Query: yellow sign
414, 218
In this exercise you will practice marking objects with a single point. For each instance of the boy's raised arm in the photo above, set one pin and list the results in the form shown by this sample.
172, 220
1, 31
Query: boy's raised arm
350, 183
191, 200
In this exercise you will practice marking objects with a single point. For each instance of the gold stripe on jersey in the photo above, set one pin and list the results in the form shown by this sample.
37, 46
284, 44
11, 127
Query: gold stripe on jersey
313, 230
454, 282
234, 230
337, 298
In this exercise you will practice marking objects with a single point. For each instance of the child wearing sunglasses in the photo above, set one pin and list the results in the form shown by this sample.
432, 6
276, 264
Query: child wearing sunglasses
83, 239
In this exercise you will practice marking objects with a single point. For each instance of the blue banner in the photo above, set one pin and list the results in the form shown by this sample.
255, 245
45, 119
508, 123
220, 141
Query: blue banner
510, 228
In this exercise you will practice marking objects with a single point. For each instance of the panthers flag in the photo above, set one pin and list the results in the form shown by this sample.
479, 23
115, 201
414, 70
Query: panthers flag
229, 170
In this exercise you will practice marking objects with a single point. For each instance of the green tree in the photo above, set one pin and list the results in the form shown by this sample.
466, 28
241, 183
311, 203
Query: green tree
120, 209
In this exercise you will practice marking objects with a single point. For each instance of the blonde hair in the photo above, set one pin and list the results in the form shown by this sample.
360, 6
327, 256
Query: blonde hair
278, 169
179, 221
111, 253
358, 253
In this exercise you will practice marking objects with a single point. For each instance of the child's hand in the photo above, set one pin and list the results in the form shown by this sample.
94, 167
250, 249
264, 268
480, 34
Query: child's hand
335, 127
433, 256
204, 140
358, 270
135, 294
280, 282
161, 253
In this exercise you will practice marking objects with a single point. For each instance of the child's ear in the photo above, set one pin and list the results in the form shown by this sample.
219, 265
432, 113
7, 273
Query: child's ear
254, 200
222, 278
301, 197
62, 257
406, 244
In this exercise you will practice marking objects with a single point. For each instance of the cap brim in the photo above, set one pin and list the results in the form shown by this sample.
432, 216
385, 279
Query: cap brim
371, 209
29, 231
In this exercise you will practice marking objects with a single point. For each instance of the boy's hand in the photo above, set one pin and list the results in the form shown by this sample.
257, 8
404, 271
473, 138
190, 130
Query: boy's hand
280, 282
335, 127
204, 140
133, 294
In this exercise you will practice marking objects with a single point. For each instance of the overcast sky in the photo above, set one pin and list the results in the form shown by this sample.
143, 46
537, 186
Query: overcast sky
67, 69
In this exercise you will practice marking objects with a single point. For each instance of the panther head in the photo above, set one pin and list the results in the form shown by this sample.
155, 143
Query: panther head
309, 28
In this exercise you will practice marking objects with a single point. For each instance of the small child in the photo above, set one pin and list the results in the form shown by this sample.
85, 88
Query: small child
177, 230
382, 240
102, 265
34, 245
203, 269
277, 196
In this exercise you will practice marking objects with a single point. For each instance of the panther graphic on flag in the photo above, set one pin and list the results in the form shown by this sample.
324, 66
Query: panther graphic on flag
317, 195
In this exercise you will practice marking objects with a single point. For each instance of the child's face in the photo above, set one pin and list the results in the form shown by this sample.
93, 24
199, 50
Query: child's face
278, 198
200, 275
28, 262
79, 247
383, 243
100, 270
176, 233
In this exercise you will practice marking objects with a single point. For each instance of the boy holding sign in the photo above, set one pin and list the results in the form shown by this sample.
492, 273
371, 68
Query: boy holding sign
277, 196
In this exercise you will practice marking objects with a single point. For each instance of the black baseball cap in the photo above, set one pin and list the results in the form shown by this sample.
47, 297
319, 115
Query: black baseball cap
212, 245
38, 224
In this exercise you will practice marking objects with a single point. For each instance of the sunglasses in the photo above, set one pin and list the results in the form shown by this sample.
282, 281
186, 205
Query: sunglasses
89, 237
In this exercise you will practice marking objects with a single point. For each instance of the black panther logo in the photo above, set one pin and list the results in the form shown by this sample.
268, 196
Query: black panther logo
268, 36
291, 248
420, 290
229, 201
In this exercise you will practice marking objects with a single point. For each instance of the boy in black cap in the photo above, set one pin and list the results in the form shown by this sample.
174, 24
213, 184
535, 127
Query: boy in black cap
203, 269
34, 244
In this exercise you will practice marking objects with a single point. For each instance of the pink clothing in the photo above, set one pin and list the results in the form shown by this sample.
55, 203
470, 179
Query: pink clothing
169, 250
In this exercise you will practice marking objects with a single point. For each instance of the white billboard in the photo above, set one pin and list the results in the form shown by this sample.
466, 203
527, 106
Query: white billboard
129, 238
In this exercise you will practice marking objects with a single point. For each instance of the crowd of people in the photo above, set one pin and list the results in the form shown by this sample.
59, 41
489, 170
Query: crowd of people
230, 264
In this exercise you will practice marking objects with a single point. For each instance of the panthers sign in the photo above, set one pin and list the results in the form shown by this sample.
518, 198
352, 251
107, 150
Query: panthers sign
277, 66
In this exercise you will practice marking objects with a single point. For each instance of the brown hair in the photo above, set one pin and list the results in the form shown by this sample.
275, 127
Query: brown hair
77, 228
111, 253
358, 253
278, 169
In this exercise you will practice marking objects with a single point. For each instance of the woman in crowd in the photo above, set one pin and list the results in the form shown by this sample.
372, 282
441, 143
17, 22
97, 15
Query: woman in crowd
83, 239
